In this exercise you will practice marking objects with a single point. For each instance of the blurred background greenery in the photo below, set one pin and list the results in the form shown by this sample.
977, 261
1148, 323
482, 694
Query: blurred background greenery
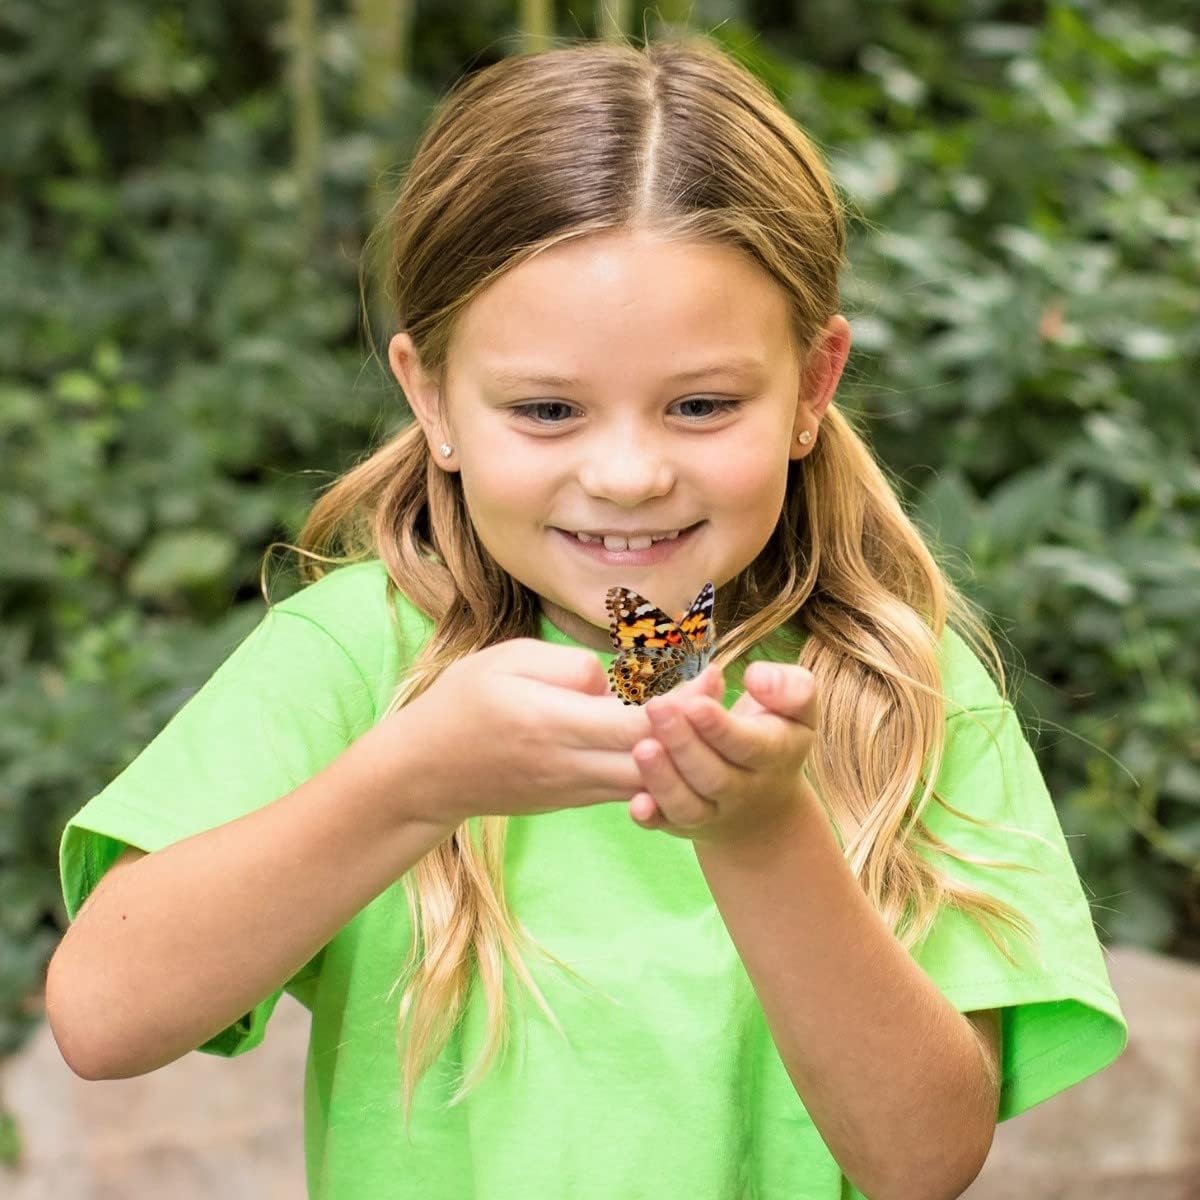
187, 189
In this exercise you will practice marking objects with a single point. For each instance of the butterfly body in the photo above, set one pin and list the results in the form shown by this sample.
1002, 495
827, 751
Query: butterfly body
655, 652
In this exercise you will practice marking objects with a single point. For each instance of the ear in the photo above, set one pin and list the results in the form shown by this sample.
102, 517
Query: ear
819, 379
422, 392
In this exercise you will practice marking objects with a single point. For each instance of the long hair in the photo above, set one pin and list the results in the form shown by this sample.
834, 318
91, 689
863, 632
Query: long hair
679, 140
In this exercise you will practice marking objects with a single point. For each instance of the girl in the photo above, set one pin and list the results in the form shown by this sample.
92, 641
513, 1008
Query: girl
830, 935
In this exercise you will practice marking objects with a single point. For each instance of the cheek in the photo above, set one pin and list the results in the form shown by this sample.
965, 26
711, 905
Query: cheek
504, 487
744, 481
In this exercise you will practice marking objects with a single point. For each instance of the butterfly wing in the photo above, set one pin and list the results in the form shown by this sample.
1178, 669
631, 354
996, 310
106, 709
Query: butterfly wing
655, 652
648, 641
638, 673
637, 622
699, 632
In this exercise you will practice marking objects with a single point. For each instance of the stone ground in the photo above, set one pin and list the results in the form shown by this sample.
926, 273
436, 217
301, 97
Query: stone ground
191, 1130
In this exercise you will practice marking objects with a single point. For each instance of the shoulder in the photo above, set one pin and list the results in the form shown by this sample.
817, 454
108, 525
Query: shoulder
376, 625
966, 681
352, 597
358, 586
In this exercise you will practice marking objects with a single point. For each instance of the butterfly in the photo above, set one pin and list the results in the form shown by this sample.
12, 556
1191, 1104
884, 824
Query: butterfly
656, 652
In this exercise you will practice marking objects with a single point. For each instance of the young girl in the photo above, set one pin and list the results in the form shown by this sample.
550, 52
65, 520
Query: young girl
796, 930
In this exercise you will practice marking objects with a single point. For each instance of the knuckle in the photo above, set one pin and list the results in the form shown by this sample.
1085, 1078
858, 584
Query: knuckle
630, 782
528, 735
515, 727
779, 740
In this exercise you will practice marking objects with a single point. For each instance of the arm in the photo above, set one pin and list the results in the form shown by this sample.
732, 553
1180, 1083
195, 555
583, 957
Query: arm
174, 946
902, 1087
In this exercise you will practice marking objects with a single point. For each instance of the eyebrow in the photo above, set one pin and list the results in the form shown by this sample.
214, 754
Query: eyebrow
515, 376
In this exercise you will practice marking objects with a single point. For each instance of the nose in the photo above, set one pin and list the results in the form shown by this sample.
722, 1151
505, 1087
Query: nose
627, 470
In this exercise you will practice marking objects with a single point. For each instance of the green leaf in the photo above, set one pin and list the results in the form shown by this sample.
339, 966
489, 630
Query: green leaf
78, 388
1071, 567
1019, 511
947, 508
175, 561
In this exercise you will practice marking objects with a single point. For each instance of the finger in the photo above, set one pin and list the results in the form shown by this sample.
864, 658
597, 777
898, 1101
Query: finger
710, 682
558, 666
645, 812
677, 802
700, 766
713, 678
740, 742
607, 775
786, 689
613, 727
581, 721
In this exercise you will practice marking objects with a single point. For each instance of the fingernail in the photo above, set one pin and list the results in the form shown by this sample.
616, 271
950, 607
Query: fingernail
769, 678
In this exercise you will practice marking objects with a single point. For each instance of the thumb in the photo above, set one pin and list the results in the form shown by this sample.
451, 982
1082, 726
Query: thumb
561, 666
710, 682
786, 689
593, 678
713, 679
587, 674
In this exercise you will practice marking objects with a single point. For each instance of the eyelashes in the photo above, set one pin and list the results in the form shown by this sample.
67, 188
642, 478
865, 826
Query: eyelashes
720, 406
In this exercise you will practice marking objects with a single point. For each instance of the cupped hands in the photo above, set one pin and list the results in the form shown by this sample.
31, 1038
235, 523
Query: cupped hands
712, 774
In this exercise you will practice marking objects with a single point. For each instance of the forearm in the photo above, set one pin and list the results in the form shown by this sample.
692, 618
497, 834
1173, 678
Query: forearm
892, 1075
188, 939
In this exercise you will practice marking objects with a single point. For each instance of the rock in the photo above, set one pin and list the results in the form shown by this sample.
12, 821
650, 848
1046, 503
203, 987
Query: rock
1130, 1132
201, 1127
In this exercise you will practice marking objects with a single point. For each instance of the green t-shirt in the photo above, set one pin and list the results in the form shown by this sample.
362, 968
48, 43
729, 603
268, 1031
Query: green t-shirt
668, 1084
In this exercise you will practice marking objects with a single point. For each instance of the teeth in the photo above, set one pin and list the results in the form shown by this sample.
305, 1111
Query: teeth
611, 542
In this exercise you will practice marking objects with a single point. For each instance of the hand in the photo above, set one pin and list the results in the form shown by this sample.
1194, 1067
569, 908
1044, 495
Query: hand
523, 726
714, 775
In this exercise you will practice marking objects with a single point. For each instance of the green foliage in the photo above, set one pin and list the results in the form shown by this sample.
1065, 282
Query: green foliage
180, 371
1024, 297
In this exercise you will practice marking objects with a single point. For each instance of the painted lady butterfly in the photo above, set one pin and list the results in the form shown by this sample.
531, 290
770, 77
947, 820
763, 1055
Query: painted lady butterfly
656, 652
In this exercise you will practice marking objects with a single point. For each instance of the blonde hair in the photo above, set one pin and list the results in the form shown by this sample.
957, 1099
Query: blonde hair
678, 140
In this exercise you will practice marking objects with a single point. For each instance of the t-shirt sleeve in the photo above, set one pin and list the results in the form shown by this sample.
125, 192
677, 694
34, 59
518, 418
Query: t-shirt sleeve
281, 707
1060, 1017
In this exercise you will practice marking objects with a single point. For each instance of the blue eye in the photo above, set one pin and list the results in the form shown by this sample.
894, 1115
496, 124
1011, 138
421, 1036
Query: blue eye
527, 411
719, 406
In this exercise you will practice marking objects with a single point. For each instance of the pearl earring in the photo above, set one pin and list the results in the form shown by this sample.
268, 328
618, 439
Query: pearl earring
445, 449
804, 438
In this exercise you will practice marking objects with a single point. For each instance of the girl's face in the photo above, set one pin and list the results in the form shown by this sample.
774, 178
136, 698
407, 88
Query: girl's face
624, 384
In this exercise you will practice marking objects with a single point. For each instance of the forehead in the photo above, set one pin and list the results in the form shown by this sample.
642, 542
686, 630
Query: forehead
673, 306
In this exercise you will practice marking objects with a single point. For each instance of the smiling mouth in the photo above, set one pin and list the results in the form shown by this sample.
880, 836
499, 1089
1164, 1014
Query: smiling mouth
615, 543
644, 551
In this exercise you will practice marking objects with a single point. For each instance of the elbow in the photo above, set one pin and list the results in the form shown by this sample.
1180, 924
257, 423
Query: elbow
945, 1178
92, 1040
69, 1032
953, 1151
972, 1163
80, 1067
